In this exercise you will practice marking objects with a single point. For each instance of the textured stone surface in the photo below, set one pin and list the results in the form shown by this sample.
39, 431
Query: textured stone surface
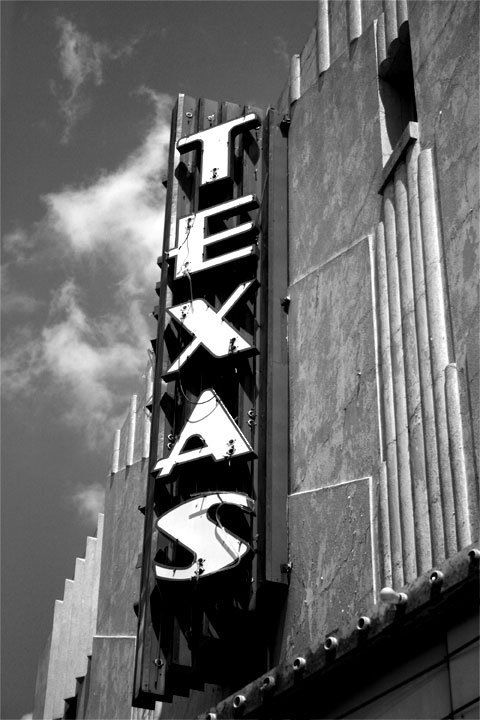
330, 552
88, 606
283, 104
83, 691
444, 40
142, 421
113, 656
78, 627
339, 44
308, 62
96, 580
337, 12
333, 406
66, 654
41, 681
111, 678
334, 161
371, 9
122, 541
61, 672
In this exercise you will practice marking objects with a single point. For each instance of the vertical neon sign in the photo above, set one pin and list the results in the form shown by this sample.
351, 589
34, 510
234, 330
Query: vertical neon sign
212, 455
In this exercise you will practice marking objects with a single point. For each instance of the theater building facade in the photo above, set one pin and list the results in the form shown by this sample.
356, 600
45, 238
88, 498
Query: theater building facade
291, 525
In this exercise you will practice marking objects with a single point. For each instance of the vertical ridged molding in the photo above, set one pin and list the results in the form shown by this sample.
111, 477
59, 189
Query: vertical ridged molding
380, 38
146, 413
399, 390
412, 375
87, 630
402, 12
423, 344
96, 579
323, 37
76, 630
389, 413
457, 454
294, 78
52, 673
391, 29
62, 668
116, 452
438, 335
132, 424
376, 337
385, 547
354, 16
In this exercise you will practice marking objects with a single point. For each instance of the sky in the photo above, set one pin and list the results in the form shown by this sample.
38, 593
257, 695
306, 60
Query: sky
87, 91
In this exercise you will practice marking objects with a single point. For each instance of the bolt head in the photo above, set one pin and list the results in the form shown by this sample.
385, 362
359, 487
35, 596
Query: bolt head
299, 664
436, 577
239, 701
363, 623
331, 643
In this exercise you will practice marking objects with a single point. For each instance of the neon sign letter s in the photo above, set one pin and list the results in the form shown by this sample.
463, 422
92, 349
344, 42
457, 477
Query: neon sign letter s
214, 548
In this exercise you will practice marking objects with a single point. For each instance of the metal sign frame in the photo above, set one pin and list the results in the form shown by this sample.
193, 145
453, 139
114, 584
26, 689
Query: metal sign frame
185, 630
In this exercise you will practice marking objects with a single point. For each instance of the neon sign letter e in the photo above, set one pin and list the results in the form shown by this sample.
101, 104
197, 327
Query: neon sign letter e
192, 241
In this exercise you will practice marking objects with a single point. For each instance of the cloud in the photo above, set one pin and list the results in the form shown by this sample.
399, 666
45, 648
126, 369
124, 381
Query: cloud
17, 245
93, 361
89, 502
121, 214
17, 248
86, 363
280, 49
81, 60
20, 369
89, 359
15, 301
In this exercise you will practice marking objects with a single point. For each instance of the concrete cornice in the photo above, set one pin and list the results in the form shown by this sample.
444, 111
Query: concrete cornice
439, 593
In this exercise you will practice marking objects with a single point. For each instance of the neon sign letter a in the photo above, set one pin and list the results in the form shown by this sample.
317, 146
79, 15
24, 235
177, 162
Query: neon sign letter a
212, 423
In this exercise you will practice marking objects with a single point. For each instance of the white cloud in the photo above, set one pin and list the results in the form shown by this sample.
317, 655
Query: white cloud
86, 363
93, 361
17, 245
81, 60
122, 212
89, 501
20, 366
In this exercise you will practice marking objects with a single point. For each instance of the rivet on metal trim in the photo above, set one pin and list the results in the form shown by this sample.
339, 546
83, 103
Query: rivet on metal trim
363, 623
239, 701
330, 644
299, 664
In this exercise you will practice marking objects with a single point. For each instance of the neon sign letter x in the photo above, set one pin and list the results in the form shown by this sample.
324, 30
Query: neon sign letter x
209, 328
